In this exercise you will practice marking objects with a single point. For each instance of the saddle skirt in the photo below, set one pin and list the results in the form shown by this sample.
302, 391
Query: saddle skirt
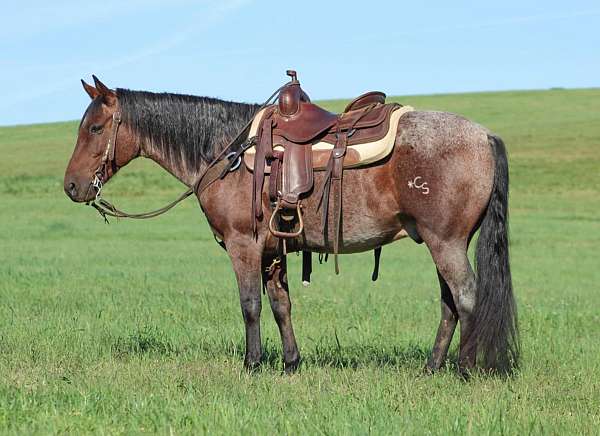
361, 151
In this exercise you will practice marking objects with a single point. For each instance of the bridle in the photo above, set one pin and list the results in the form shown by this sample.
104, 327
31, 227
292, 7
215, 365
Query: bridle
228, 160
100, 175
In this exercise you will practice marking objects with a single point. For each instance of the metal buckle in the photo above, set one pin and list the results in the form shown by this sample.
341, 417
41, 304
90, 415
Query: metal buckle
249, 143
348, 134
271, 268
237, 162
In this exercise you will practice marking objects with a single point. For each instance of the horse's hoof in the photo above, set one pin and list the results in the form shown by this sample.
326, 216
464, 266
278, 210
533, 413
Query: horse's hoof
252, 366
291, 367
429, 370
464, 374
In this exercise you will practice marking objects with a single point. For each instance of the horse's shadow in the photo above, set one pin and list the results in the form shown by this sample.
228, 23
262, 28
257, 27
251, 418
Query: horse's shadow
321, 353
356, 356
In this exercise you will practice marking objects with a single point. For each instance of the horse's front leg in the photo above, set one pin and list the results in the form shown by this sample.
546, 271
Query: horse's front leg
246, 259
279, 296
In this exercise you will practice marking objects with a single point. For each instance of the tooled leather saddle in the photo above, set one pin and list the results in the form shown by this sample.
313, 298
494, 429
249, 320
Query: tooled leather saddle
286, 148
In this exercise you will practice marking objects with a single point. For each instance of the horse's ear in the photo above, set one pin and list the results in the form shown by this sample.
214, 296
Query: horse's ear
109, 96
91, 91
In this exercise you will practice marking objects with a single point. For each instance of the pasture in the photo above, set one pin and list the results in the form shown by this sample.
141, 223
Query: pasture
135, 327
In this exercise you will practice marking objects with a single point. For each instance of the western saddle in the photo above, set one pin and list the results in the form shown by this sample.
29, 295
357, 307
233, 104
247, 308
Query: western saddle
288, 145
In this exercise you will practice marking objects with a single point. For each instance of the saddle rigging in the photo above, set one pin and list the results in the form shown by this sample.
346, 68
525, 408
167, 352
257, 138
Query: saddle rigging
296, 137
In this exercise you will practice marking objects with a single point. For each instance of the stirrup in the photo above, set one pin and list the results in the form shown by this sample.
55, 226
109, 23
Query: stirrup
281, 234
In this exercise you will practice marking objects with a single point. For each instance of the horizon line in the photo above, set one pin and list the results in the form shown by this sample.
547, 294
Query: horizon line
326, 100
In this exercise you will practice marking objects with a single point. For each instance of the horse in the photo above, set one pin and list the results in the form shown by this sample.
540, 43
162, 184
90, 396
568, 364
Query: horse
446, 178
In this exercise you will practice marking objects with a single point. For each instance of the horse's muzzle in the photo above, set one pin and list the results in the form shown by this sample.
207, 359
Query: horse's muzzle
79, 192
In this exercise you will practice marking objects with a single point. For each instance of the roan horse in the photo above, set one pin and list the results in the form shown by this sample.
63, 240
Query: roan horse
464, 167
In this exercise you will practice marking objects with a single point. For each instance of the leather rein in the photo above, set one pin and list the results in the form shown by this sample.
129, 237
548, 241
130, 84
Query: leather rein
217, 169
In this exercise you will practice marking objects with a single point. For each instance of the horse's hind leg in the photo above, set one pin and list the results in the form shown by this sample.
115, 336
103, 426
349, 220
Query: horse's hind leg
454, 267
449, 318
278, 290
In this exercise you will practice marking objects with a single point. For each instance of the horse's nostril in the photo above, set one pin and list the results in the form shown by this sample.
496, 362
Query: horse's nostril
72, 189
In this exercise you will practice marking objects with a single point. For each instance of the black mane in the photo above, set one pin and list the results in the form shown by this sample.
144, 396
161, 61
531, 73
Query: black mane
186, 129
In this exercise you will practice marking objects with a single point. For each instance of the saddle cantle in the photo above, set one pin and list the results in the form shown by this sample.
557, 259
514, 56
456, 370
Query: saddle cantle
296, 137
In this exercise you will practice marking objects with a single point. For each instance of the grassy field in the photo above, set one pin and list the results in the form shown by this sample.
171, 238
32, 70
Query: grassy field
135, 327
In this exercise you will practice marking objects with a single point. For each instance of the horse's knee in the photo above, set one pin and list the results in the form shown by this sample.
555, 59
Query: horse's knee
251, 307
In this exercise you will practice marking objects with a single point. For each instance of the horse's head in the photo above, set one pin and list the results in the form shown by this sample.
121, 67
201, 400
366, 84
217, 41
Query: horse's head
103, 146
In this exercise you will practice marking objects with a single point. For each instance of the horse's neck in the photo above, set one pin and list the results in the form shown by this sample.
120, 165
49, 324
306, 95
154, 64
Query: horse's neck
180, 171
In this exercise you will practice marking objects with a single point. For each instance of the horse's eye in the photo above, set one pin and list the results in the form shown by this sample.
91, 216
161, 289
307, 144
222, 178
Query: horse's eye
96, 129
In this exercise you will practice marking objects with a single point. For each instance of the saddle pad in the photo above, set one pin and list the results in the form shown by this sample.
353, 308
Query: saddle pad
358, 155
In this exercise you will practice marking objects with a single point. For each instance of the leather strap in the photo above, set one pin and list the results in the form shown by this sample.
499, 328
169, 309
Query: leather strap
264, 144
108, 158
323, 196
338, 154
218, 171
333, 179
113, 139
212, 174
377, 253
306, 267
274, 176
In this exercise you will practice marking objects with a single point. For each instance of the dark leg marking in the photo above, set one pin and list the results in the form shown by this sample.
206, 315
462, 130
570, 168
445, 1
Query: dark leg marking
449, 318
278, 290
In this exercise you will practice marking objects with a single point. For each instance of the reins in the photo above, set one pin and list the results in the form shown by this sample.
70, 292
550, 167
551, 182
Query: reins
215, 170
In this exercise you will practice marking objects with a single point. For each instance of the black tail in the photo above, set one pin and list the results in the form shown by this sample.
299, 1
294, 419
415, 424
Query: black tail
495, 330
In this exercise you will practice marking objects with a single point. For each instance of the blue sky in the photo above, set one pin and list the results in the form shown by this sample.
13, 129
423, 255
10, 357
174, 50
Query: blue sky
240, 49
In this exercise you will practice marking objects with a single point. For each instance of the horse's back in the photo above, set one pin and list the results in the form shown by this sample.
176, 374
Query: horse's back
436, 131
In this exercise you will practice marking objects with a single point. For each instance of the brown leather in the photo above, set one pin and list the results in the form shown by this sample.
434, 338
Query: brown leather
311, 121
370, 126
264, 144
274, 176
366, 99
290, 98
308, 122
298, 132
321, 157
373, 127
338, 154
296, 124
297, 173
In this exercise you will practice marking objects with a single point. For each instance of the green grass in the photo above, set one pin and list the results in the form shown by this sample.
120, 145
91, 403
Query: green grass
135, 327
